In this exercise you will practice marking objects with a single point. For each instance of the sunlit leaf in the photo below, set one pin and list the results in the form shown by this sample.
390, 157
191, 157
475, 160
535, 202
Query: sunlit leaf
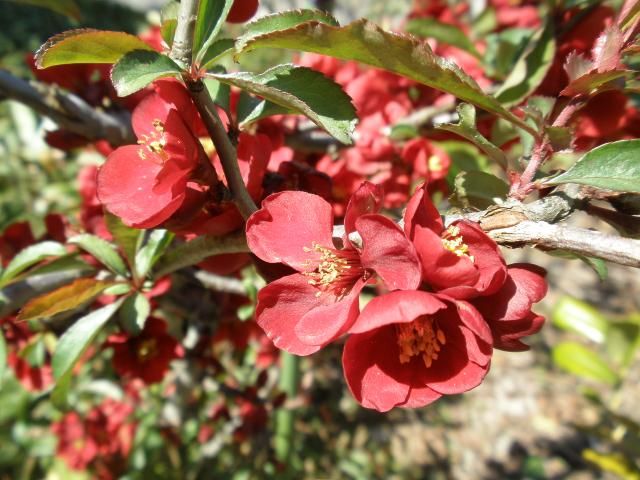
73, 344
63, 299
579, 360
304, 91
612, 166
137, 69
87, 46
579, 317
30, 256
367, 43
102, 251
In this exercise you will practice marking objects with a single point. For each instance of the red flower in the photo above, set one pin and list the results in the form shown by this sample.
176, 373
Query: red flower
461, 260
145, 184
409, 348
303, 312
101, 441
147, 355
508, 311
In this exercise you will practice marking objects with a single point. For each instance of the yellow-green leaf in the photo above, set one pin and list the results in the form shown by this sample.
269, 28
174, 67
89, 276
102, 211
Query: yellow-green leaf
87, 46
63, 299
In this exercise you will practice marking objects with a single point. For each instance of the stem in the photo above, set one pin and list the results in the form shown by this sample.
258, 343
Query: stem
542, 151
182, 47
68, 110
225, 149
285, 417
198, 249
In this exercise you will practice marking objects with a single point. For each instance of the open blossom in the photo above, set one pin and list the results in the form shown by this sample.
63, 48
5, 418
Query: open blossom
147, 355
408, 348
145, 184
508, 311
460, 260
304, 311
102, 440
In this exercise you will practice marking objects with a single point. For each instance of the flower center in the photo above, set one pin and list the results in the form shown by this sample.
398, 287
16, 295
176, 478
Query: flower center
155, 142
147, 349
435, 164
453, 241
337, 270
420, 337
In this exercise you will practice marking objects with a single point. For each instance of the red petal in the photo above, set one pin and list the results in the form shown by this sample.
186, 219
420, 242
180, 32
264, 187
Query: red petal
367, 199
420, 397
507, 334
473, 320
442, 268
524, 286
453, 371
373, 371
127, 186
401, 306
169, 95
287, 224
421, 213
388, 252
488, 262
281, 305
254, 152
328, 321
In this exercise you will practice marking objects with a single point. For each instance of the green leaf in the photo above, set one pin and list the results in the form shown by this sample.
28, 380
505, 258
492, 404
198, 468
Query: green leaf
367, 43
102, 251
622, 341
216, 51
73, 344
478, 189
148, 255
200, 248
530, 69
211, 16
579, 360
64, 7
612, 166
251, 109
503, 50
139, 68
30, 256
598, 265
63, 299
579, 317
127, 238
442, 32
35, 351
134, 312
466, 128
304, 91
3, 356
282, 21
87, 46
594, 82
220, 93
169, 21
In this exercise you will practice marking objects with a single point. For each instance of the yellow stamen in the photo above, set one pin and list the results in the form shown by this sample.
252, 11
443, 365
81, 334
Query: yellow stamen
435, 163
336, 270
454, 242
420, 337
147, 349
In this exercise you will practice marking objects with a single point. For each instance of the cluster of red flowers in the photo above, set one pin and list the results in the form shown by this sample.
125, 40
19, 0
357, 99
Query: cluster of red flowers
446, 297
100, 440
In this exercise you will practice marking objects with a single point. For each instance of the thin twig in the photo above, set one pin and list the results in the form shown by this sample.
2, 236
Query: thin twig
68, 110
224, 148
182, 47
